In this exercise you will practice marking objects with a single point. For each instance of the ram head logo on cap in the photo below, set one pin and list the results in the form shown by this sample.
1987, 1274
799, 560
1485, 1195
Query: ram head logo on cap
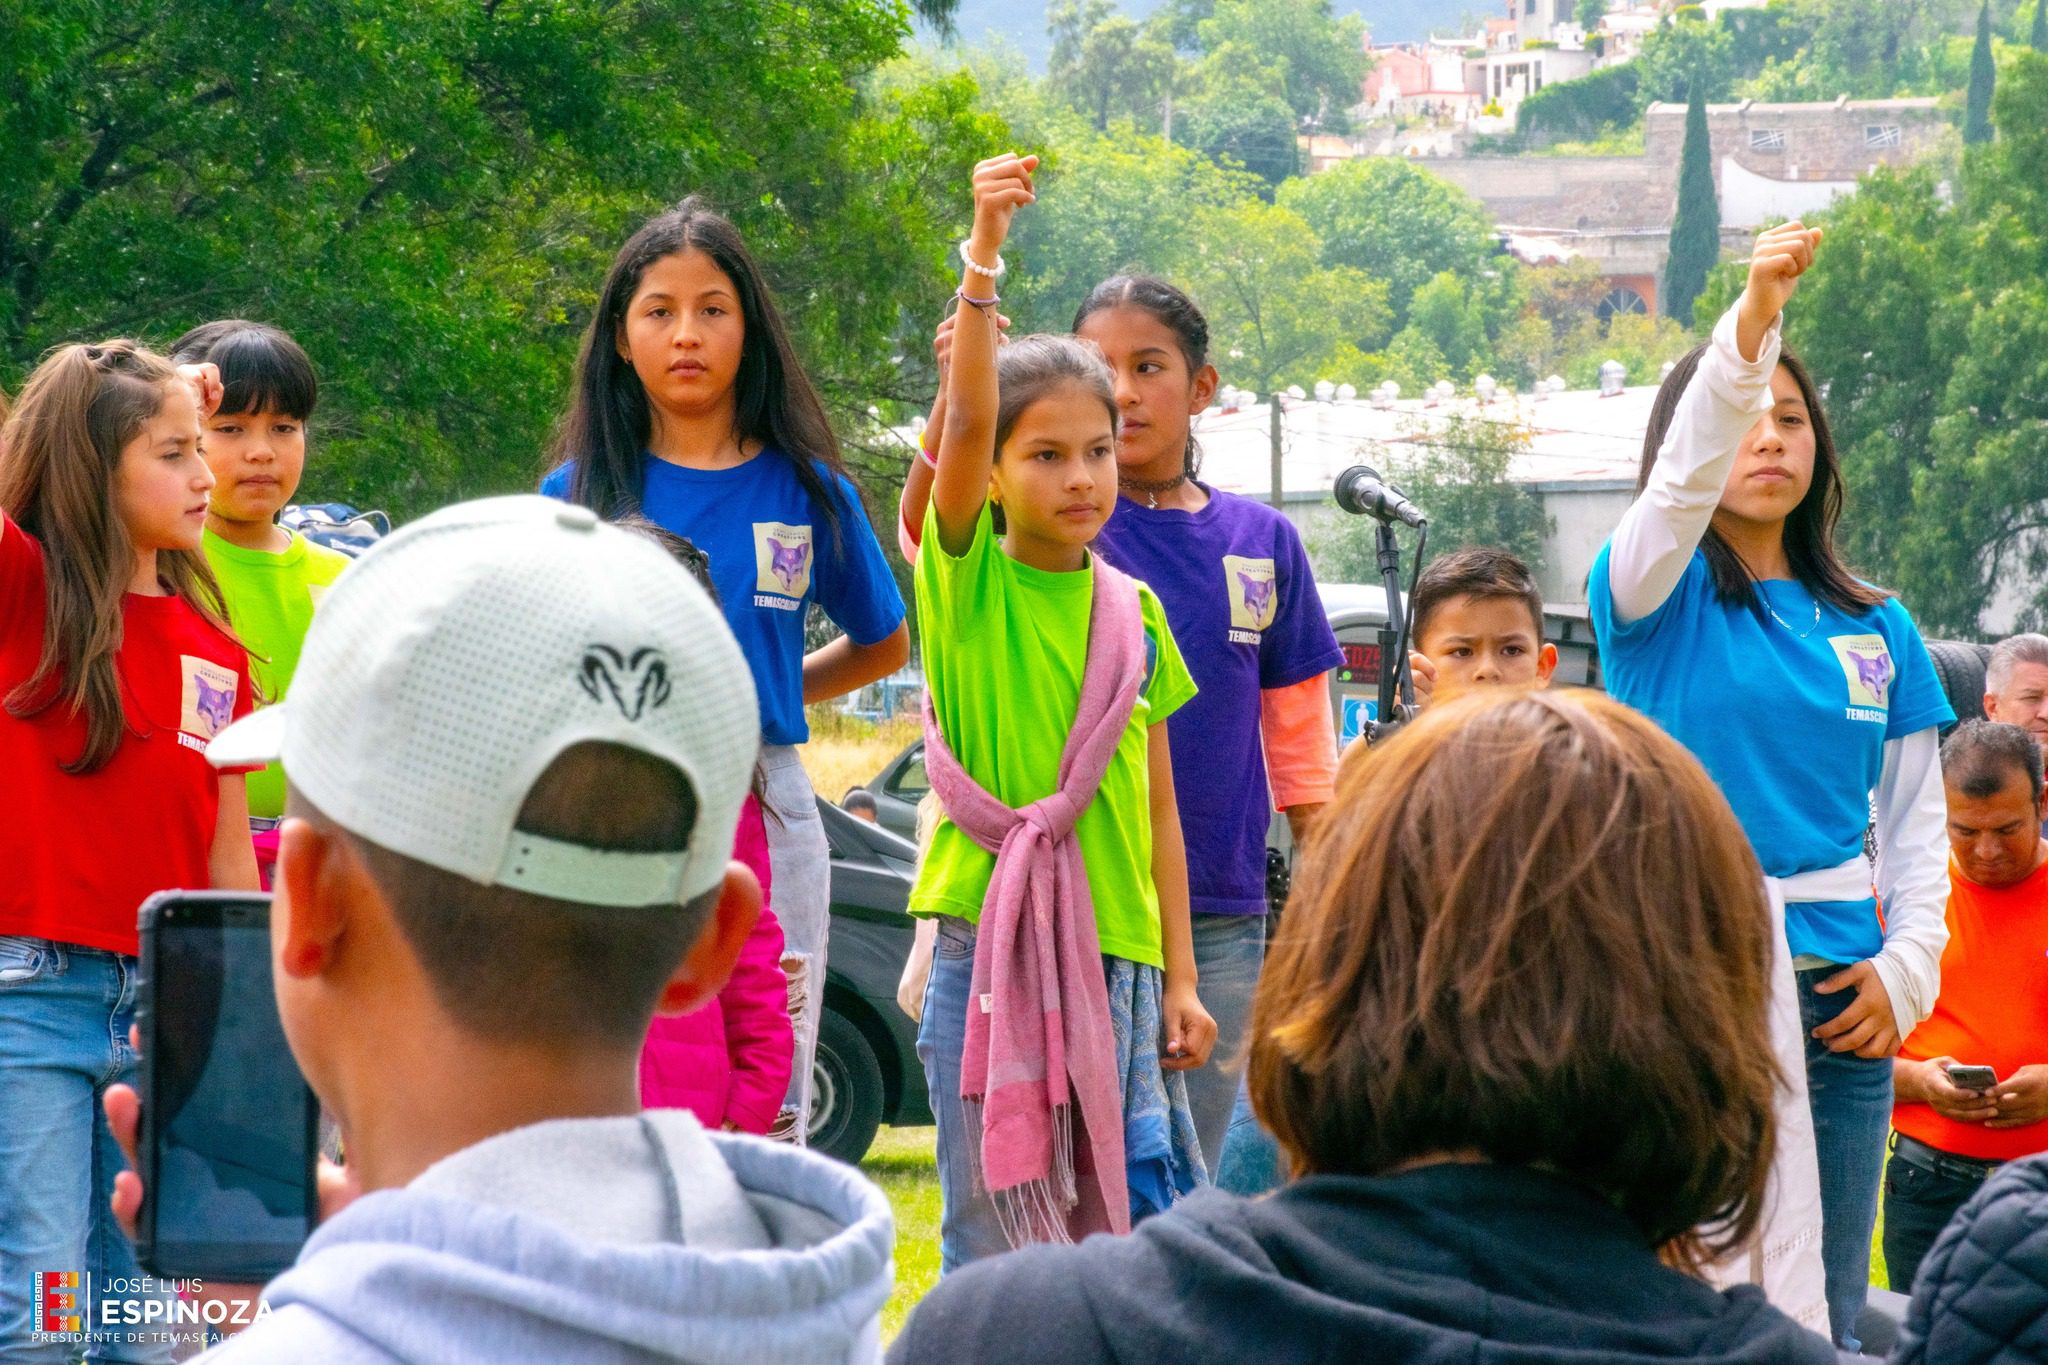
632, 682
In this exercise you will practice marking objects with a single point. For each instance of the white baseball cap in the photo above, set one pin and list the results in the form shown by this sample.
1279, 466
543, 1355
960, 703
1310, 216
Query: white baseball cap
458, 658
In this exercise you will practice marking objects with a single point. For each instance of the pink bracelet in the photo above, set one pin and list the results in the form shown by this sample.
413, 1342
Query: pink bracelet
931, 461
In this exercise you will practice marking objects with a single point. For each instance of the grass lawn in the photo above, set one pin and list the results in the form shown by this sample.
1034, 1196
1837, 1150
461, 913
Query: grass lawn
904, 1163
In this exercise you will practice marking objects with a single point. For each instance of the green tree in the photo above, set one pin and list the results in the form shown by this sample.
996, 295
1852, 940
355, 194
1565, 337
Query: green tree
1696, 230
427, 195
1456, 468
1321, 58
2039, 38
1276, 315
1687, 53
1590, 13
1106, 204
1927, 323
1238, 112
1393, 220
1983, 82
1453, 318
1581, 110
1106, 66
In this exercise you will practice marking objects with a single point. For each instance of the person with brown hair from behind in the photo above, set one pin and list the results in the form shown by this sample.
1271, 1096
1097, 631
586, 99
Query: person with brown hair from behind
1515, 1074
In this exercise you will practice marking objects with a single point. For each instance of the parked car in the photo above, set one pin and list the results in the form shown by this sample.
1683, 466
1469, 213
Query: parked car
1356, 612
867, 1072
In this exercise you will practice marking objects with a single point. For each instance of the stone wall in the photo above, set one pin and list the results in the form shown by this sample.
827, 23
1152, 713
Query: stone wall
1838, 141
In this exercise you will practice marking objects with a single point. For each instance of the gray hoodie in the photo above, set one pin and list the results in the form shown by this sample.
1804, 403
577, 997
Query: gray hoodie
598, 1240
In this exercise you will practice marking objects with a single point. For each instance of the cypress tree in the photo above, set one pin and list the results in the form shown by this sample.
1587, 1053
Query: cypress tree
1696, 230
2040, 36
1983, 76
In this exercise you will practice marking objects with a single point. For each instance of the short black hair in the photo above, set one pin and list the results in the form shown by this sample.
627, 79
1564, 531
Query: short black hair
261, 368
1982, 755
513, 966
1476, 571
860, 798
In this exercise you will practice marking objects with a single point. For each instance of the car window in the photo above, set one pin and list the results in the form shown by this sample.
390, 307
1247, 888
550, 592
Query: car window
909, 783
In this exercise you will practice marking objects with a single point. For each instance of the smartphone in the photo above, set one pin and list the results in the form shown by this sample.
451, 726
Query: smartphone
1970, 1077
229, 1126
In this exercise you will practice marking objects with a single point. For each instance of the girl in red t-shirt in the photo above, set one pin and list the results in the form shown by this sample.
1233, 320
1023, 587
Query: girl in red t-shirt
116, 668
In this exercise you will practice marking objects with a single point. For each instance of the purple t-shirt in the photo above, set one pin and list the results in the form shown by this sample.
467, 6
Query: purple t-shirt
1242, 603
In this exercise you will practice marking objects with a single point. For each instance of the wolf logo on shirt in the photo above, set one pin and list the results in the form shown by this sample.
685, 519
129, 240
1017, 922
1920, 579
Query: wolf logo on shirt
209, 697
782, 565
1868, 668
1254, 597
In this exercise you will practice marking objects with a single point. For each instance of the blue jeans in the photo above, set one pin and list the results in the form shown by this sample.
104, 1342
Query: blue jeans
1250, 1163
1851, 1099
968, 1228
65, 1013
1229, 950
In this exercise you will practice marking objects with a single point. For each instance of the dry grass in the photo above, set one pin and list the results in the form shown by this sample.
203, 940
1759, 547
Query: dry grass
845, 751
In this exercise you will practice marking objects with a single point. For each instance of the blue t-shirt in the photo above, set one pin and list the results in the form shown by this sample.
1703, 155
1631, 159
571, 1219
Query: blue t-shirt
1242, 604
772, 554
1793, 729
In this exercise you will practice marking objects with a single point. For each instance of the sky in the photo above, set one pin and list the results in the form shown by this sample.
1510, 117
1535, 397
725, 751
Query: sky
1021, 23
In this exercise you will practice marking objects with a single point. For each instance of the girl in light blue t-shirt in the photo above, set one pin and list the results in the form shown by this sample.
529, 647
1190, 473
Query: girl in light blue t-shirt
1724, 612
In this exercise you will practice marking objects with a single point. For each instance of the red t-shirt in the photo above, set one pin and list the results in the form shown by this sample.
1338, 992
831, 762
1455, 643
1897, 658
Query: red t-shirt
1993, 1007
79, 855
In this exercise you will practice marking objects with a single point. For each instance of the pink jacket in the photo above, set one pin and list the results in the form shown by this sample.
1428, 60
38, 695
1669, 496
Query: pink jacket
730, 1060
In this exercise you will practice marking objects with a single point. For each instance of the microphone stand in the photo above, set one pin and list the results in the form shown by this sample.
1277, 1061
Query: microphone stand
1396, 677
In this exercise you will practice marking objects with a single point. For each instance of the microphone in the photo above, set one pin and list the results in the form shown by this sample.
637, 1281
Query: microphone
1362, 492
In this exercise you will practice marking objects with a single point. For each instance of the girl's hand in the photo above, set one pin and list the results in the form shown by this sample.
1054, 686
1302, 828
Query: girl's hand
942, 343
1190, 1032
1782, 255
204, 381
1865, 1026
1002, 184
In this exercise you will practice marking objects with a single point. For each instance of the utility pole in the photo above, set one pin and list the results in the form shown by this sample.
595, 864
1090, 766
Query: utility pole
1279, 449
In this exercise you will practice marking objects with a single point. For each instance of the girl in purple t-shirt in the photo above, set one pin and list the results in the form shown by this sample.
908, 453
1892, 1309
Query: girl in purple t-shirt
1238, 592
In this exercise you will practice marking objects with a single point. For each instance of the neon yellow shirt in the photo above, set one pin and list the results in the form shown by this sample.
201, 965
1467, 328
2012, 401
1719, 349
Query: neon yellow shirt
1004, 647
270, 599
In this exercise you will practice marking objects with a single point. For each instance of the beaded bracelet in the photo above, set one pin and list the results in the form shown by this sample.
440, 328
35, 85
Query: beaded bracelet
994, 272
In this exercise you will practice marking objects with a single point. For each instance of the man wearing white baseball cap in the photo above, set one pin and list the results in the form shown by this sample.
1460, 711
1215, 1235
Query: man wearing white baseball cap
517, 745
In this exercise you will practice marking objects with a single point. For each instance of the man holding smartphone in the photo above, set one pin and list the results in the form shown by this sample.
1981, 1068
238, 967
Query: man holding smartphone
1970, 1094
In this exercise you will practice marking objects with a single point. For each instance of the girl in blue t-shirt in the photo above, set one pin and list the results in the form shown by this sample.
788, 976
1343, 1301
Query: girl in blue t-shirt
1724, 612
691, 409
1235, 581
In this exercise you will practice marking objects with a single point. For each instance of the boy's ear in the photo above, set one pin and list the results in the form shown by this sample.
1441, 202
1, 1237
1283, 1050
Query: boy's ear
318, 875
704, 969
1546, 663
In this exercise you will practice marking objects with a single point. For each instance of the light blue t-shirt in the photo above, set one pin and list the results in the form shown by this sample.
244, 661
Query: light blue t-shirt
1788, 715
772, 554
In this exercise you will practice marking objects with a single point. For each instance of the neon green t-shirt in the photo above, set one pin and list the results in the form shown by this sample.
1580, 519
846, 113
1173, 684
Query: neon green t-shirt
270, 600
1004, 648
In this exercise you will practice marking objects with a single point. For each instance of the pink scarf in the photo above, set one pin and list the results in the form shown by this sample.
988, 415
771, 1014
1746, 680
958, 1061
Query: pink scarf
1039, 1062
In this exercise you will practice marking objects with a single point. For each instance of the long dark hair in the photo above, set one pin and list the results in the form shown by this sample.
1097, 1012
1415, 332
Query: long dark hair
608, 424
60, 454
1809, 529
1171, 308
